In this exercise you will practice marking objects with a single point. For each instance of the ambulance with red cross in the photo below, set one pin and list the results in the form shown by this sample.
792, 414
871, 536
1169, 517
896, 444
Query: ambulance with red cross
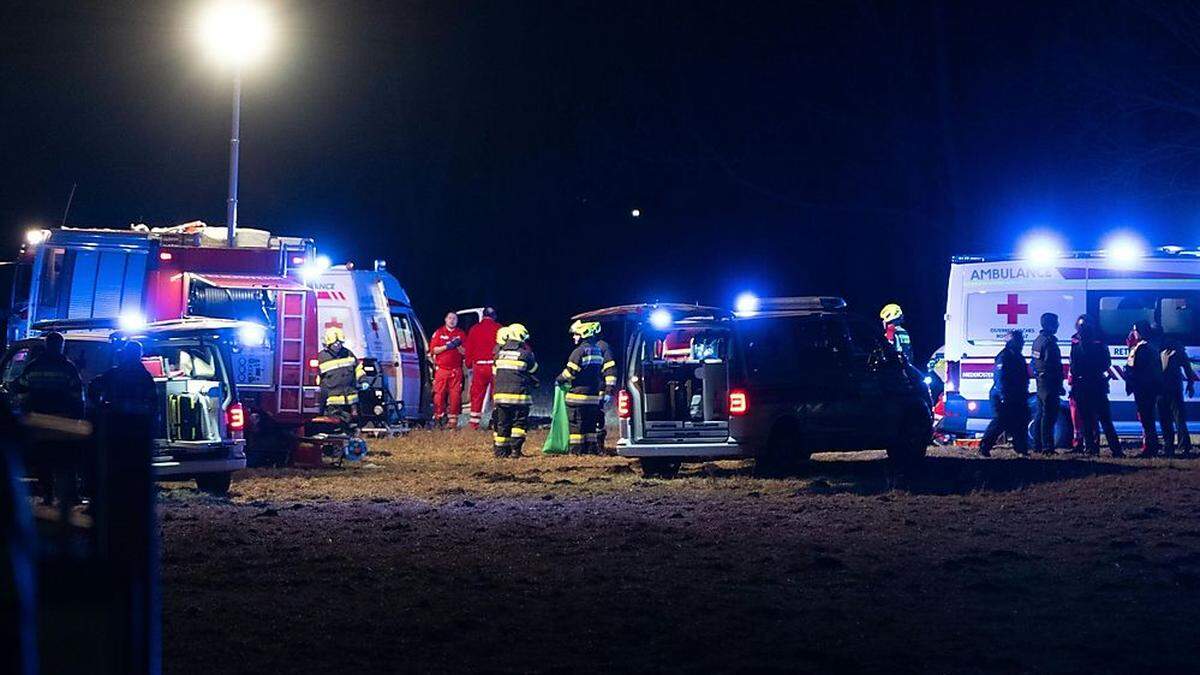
381, 327
990, 296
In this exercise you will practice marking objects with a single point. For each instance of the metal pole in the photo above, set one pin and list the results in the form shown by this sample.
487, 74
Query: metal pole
234, 141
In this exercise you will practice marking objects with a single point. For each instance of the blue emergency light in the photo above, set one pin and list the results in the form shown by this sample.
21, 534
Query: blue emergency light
747, 304
661, 319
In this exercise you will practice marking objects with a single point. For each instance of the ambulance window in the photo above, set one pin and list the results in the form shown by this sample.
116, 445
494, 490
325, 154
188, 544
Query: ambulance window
404, 333
1177, 312
1178, 317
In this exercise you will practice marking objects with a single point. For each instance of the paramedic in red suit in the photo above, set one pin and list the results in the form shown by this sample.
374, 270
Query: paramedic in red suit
446, 350
481, 344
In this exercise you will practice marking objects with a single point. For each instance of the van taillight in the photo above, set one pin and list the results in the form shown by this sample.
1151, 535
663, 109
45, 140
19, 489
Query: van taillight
235, 417
739, 403
623, 410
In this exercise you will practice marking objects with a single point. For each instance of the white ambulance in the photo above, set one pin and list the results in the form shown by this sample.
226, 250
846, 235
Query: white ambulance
376, 314
988, 297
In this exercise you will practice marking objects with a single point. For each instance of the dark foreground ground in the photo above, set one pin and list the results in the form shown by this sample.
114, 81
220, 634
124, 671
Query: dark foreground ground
434, 557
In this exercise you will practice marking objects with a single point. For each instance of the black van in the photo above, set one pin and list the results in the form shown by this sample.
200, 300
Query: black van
796, 376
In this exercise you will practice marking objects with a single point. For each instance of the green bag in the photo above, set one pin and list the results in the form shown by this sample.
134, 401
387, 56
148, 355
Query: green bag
559, 438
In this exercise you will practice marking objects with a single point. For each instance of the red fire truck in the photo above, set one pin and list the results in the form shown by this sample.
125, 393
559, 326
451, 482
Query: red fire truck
125, 278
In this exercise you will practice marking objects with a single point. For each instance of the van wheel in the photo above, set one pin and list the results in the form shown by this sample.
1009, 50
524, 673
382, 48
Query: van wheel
214, 483
783, 455
910, 450
654, 467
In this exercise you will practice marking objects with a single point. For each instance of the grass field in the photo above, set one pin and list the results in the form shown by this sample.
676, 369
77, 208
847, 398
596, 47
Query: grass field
433, 556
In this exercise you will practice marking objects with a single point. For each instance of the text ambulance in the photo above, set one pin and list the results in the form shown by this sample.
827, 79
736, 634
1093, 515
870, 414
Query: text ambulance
376, 314
988, 297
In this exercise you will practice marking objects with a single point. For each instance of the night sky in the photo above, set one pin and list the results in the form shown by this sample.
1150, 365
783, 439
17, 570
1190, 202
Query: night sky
492, 152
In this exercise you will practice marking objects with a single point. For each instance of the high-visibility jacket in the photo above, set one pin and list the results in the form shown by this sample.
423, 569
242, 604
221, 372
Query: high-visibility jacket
514, 368
901, 342
591, 372
338, 374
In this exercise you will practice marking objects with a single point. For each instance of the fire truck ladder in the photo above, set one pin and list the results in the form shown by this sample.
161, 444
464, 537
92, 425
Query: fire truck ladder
291, 352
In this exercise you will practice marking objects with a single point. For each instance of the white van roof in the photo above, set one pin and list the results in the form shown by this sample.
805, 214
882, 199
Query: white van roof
1158, 253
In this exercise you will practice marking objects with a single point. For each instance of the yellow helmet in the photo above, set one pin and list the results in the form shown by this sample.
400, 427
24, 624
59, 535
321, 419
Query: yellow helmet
334, 334
502, 335
891, 312
585, 329
517, 332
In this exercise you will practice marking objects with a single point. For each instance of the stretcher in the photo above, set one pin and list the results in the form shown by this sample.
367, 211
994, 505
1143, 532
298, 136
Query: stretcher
328, 441
380, 415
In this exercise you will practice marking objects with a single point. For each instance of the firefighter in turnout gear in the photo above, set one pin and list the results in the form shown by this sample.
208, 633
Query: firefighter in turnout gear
514, 383
591, 375
338, 372
893, 320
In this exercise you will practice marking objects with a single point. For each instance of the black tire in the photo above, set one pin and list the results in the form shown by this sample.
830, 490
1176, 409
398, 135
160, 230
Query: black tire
657, 467
269, 445
910, 449
214, 483
784, 453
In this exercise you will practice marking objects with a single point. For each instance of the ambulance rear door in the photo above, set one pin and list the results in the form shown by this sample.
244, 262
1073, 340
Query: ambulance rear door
379, 338
416, 382
337, 308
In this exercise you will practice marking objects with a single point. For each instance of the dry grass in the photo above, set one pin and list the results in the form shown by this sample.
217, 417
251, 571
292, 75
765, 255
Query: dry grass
433, 556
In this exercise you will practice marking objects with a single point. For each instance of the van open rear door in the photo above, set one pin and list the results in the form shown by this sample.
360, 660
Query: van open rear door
631, 316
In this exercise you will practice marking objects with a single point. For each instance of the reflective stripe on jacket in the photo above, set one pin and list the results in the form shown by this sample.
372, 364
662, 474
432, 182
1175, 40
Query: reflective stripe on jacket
514, 368
591, 372
338, 374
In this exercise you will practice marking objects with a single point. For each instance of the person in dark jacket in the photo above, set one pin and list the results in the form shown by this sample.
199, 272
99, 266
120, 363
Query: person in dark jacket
1010, 394
1090, 364
1048, 371
1177, 369
127, 388
50, 385
1144, 381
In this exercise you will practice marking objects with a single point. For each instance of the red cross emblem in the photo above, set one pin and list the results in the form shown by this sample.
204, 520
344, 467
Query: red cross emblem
1012, 309
334, 323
